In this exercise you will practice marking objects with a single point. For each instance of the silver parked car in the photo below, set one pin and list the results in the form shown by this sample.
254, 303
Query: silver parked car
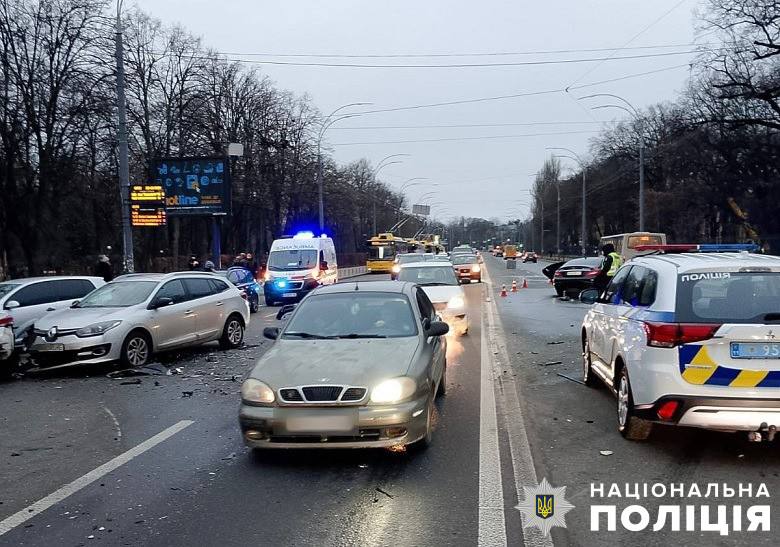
27, 300
137, 315
356, 365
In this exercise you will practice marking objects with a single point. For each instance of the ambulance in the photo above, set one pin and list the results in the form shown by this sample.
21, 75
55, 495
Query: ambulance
297, 265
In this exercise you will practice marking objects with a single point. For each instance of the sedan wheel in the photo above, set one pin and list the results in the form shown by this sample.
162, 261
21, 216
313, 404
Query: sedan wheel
232, 334
136, 350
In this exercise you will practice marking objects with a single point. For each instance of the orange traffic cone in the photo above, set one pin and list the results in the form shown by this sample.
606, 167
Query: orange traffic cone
514, 285
503, 290
525, 283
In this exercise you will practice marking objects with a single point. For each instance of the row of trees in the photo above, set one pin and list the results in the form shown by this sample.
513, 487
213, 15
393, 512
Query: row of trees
712, 157
59, 195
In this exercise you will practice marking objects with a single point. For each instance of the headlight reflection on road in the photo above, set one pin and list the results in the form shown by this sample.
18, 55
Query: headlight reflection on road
454, 347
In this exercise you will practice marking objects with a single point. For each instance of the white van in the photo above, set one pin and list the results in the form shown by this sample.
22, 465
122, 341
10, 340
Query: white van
297, 265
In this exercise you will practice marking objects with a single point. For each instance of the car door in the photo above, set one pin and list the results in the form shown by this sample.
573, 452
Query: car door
208, 306
625, 299
604, 313
33, 300
438, 348
173, 325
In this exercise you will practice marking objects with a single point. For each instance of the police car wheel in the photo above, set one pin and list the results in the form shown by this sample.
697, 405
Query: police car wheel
630, 427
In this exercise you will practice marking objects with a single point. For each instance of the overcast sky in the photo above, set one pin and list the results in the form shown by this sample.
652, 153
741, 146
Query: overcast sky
473, 176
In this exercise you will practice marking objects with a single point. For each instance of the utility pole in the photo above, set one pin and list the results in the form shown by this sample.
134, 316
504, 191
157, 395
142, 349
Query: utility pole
319, 186
558, 219
584, 228
641, 176
124, 169
541, 227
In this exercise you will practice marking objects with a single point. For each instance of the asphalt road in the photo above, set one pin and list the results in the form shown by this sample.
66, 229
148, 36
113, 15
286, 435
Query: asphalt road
183, 476
202, 486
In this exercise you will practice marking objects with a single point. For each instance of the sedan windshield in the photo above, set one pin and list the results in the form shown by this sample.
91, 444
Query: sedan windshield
6, 288
352, 315
292, 259
434, 275
119, 294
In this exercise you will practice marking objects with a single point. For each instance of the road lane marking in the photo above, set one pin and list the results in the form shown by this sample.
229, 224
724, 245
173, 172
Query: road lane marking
492, 522
85, 480
509, 402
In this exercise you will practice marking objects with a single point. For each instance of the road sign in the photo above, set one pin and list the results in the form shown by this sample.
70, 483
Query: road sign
147, 205
194, 186
424, 210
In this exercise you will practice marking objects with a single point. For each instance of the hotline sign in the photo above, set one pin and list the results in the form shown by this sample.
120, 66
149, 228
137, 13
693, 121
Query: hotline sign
194, 186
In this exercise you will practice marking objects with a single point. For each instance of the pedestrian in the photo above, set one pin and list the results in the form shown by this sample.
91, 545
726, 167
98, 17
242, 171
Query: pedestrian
193, 264
609, 266
240, 261
209, 266
103, 268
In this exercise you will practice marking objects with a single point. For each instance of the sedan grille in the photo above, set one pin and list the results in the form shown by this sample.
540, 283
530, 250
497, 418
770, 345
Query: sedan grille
322, 393
291, 395
354, 394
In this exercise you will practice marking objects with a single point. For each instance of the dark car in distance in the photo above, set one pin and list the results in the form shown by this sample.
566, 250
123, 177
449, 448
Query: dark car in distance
578, 274
243, 279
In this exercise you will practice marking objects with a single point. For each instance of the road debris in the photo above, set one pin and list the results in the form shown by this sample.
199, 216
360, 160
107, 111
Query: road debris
383, 492
135, 382
187, 394
606, 452
571, 379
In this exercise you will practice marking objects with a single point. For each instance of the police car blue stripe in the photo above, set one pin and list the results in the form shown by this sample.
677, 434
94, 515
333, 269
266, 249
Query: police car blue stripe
722, 376
658, 316
686, 355
772, 379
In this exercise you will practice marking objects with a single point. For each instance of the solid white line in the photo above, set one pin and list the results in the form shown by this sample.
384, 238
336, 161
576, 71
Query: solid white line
71, 488
492, 523
519, 449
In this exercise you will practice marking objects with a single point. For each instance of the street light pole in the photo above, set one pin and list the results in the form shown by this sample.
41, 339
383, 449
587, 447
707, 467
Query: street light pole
326, 123
124, 167
381, 165
632, 111
584, 228
558, 218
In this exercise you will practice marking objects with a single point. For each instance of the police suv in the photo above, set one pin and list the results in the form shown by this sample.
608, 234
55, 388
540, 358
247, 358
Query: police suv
689, 338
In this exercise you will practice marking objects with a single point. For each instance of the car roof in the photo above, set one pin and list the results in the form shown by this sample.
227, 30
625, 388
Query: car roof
365, 286
24, 280
161, 276
684, 262
584, 261
428, 264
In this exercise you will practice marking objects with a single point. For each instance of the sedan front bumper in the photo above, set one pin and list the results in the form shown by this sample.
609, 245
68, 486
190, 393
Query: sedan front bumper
333, 426
71, 350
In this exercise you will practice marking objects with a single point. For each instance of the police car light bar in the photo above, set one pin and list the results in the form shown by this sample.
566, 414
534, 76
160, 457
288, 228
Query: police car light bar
701, 248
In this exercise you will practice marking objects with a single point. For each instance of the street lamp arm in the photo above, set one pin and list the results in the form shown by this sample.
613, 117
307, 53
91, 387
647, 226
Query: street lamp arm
623, 108
378, 169
381, 162
634, 111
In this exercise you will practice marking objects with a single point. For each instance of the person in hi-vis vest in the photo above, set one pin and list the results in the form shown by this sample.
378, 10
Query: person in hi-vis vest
609, 266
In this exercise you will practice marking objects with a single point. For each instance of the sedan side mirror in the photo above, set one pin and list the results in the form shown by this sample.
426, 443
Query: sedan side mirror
12, 304
284, 310
161, 302
75, 304
272, 333
437, 328
589, 296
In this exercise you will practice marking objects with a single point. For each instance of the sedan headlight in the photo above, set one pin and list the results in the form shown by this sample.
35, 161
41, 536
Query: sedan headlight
255, 391
97, 329
393, 390
456, 302
475, 268
396, 268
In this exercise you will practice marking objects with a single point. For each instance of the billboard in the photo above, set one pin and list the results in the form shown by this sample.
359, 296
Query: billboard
194, 186
147, 205
421, 210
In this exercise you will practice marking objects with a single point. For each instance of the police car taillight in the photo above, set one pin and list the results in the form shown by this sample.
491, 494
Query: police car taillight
669, 335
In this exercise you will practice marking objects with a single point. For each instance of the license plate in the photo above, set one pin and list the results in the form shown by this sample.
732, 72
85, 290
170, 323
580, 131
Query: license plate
50, 347
326, 423
754, 350
573, 273
289, 295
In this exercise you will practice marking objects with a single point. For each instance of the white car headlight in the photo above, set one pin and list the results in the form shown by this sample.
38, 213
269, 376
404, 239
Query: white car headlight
456, 302
255, 391
97, 329
396, 268
475, 268
393, 390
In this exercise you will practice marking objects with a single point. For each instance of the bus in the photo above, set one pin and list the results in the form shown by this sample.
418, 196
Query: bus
625, 244
382, 250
